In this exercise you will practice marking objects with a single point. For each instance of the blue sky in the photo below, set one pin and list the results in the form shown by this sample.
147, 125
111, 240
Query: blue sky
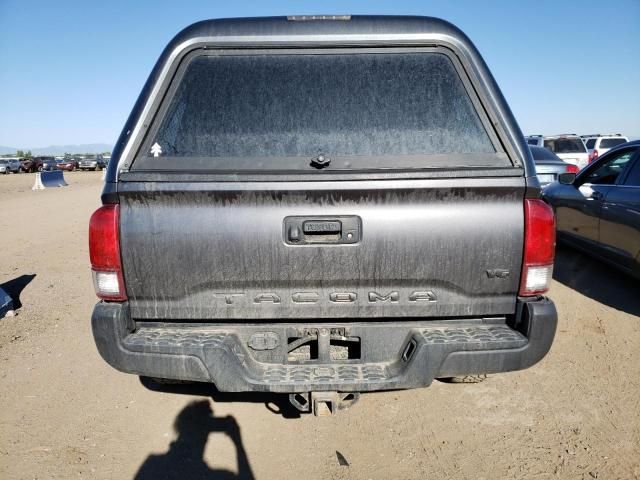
71, 71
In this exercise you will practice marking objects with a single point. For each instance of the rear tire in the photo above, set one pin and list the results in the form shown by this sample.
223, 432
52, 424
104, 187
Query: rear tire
465, 379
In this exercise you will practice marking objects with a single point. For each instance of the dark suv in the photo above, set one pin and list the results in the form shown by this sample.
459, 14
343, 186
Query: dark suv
321, 206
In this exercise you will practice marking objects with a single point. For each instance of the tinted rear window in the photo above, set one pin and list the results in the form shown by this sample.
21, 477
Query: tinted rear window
540, 153
366, 110
565, 145
591, 143
611, 142
532, 141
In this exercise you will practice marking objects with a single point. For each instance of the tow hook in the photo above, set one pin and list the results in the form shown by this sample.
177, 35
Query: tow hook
323, 404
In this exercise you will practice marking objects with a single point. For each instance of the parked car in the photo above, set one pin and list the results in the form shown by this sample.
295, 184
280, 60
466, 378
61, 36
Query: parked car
28, 165
598, 211
12, 165
4, 166
549, 165
355, 217
569, 148
49, 163
68, 164
37, 164
92, 164
598, 144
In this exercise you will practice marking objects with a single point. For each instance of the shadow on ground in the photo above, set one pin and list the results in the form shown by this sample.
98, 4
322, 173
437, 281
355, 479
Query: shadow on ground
15, 287
276, 403
597, 280
185, 457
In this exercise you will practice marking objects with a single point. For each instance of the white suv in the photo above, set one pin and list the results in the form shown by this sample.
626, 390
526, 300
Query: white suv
597, 143
569, 147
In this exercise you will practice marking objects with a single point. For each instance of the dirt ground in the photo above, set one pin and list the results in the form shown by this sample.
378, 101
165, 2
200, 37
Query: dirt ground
64, 413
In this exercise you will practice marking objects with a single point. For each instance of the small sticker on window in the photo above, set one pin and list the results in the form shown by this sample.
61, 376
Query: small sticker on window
156, 149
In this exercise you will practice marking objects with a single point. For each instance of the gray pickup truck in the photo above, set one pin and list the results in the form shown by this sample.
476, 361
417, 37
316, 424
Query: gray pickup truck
321, 206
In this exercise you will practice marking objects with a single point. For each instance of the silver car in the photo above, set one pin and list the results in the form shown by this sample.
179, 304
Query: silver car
9, 165
92, 164
14, 165
549, 165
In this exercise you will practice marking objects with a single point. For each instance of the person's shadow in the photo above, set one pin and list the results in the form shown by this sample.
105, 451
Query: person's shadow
185, 458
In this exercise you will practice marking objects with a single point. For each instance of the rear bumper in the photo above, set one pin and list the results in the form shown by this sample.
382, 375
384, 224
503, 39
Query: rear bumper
253, 357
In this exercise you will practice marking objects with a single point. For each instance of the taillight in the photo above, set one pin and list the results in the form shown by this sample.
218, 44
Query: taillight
104, 251
593, 156
539, 247
571, 168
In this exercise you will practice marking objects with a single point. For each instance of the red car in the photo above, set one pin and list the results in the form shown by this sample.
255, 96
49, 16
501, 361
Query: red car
69, 165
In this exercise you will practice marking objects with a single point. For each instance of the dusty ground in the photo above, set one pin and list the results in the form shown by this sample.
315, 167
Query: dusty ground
65, 414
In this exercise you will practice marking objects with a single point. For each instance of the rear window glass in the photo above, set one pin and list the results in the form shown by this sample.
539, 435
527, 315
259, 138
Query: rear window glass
540, 153
591, 143
532, 141
611, 142
365, 110
565, 145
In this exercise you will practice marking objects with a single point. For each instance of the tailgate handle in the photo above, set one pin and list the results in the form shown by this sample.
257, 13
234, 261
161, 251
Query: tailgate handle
343, 229
321, 227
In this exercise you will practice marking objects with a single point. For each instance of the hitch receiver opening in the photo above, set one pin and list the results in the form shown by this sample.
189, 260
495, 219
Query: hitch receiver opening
323, 404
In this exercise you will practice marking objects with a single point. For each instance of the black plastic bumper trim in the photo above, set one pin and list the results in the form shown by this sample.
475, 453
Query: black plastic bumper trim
219, 354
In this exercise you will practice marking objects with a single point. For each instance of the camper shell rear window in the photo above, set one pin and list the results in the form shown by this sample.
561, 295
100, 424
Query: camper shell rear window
363, 110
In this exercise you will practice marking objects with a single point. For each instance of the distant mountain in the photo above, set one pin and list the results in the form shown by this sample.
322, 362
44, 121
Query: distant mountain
61, 149
4, 150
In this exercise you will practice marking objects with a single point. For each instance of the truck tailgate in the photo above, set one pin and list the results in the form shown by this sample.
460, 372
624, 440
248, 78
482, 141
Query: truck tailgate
430, 248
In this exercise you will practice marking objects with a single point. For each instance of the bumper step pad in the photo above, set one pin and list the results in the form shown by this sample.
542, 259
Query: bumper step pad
485, 337
436, 342
390, 355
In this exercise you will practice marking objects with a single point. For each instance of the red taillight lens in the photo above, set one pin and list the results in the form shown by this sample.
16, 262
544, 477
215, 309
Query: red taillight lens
539, 247
104, 251
593, 156
572, 168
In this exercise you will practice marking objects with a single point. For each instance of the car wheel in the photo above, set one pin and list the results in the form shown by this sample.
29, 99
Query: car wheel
465, 379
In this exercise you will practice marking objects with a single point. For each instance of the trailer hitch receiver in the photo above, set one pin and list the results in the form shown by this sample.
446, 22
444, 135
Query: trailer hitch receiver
323, 404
